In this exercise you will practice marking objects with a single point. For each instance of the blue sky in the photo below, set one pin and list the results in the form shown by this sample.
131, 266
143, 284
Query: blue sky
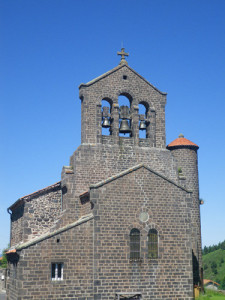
47, 48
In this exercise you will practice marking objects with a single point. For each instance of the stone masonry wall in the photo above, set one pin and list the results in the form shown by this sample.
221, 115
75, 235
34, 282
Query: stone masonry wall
111, 87
35, 215
32, 278
117, 206
187, 159
96, 254
17, 218
94, 163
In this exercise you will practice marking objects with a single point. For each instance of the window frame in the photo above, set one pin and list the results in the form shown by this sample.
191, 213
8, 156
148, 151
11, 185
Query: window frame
153, 244
135, 244
55, 271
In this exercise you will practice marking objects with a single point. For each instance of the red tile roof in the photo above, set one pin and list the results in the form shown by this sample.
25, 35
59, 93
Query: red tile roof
182, 141
206, 281
11, 251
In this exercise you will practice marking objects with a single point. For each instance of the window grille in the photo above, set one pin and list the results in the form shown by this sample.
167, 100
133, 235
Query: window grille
134, 244
153, 243
128, 296
57, 271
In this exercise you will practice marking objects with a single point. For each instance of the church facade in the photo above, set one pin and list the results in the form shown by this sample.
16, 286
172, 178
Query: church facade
124, 221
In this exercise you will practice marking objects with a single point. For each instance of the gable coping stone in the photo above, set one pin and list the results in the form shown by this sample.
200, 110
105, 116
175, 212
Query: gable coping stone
47, 235
127, 171
114, 70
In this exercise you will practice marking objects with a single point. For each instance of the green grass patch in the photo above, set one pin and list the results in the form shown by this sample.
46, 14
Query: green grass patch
212, 295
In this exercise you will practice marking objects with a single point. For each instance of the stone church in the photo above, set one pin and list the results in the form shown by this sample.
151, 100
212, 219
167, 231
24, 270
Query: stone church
124, 221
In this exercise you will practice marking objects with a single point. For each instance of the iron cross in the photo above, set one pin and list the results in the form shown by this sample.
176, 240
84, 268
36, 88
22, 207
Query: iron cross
123, 54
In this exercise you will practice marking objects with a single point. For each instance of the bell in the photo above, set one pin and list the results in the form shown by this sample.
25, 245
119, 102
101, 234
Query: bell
124, 127
142, 125
105, 123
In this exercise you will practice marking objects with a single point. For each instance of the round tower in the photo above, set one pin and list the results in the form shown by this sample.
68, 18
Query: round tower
185, 154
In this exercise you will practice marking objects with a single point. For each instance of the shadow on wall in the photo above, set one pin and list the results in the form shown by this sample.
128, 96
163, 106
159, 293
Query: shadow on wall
196, 275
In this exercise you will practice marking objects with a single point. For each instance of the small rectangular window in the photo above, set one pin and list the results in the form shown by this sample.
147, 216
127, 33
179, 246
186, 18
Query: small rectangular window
57, 271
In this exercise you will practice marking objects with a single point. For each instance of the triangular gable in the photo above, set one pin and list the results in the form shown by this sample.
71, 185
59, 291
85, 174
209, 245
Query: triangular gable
114, 70
130, 170
48, 235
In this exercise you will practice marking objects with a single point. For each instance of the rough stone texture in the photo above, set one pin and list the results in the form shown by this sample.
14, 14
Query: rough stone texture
115, 178
187, 159
34, 215
31, 277
93, 163
137, 91
17, 224
169, 207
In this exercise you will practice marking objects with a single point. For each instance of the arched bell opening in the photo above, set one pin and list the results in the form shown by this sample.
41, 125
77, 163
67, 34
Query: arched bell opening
143, 120
106, 117
124, 116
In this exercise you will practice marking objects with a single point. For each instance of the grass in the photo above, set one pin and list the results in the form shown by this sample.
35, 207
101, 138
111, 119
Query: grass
211, 295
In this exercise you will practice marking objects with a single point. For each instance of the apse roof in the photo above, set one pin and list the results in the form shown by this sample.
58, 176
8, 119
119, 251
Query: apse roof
181, 141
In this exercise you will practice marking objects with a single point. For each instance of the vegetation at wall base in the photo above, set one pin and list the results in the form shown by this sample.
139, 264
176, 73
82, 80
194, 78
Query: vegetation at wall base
212, 295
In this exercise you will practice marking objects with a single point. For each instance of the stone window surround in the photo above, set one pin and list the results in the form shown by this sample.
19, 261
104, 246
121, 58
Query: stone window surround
151, 250
135, 243
144, 234
55, 271
134, 112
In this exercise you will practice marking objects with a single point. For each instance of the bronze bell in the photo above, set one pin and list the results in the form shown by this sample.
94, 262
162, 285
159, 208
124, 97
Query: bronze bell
142, 125
105, 123
124, 127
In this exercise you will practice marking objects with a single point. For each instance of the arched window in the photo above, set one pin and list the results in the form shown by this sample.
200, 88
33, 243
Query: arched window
124, 116
106, 117
143, 120
134, 243
153, 243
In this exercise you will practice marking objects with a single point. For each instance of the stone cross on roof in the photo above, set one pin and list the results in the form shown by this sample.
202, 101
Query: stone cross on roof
123, 54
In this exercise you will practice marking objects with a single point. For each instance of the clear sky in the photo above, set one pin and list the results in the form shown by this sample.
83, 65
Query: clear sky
49, 47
